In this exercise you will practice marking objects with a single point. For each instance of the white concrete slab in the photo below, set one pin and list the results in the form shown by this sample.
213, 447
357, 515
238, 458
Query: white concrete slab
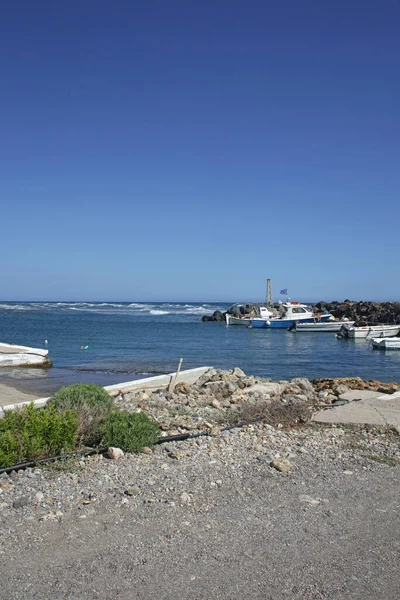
381, 410
359, 395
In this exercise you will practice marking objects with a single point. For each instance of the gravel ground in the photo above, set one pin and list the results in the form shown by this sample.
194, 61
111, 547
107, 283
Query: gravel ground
211, 518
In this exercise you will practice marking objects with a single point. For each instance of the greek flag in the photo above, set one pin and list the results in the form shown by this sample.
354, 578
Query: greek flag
283, 292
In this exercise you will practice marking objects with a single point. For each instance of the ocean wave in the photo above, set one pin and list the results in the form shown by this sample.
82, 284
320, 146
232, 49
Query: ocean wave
195, 310
139, 305
14, 307
159, 312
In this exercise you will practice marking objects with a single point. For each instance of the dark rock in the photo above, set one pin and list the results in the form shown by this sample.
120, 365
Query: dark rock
217, 316
21, 502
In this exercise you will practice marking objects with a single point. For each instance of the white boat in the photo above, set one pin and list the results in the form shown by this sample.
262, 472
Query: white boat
292, 312
245, 321
386, 343
319, 327
22, 356
368, 331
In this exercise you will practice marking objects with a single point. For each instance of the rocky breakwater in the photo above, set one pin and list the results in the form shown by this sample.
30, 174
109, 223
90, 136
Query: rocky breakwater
363, 313
243, 310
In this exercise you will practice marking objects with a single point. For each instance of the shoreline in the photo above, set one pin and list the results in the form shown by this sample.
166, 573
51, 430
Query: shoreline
10, 394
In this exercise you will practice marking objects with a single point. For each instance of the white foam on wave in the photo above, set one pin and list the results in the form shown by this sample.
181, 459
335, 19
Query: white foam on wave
160, 312
140, 305
195, 310
14, 307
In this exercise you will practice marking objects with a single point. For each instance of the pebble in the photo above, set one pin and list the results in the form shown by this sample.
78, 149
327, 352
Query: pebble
115, 453
282, 465
309, 500
21, 502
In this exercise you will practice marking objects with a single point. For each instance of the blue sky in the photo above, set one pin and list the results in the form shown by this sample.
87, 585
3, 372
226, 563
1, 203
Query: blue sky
178, 150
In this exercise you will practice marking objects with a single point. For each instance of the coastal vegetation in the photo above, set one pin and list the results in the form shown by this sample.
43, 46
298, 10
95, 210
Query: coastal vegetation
132, 432
27, 434
77, 417
92, 406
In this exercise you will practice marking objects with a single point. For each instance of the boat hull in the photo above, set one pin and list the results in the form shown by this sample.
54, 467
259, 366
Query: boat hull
22, 356
386, 343
324, 327
374, 331
284, 323
231, 320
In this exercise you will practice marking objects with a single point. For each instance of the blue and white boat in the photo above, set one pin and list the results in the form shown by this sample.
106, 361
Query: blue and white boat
293, 312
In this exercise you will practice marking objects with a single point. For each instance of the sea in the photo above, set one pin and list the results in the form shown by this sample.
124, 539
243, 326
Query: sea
116, 342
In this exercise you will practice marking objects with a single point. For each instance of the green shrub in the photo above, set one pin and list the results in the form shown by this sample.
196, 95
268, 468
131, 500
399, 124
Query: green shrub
130, 431
92, 405
28, 433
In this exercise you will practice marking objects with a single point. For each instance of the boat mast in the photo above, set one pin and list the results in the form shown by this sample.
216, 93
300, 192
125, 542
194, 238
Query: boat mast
269, 293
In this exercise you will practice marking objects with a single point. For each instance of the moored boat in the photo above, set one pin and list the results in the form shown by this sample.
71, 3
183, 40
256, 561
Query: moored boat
368, 331
22, 356
319, 327
292, 312
384, 343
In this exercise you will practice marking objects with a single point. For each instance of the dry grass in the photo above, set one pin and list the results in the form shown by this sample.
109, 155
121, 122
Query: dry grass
274, 413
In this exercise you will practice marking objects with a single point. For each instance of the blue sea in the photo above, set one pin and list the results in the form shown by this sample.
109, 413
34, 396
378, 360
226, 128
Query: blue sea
127, 341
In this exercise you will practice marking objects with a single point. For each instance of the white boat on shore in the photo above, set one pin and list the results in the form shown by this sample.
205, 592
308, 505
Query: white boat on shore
22, 356
319, 327
384, 343
368, 331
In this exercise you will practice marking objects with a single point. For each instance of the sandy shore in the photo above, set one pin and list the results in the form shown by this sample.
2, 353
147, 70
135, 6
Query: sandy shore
10, 395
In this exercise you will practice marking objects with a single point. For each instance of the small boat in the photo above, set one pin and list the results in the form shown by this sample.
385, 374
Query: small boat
293, 312
384, 343
368, 331
22, 356
319, 327
245, 320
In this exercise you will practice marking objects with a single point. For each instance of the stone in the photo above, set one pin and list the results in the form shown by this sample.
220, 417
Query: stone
182, 388
342, 389
264, 389
309, 500
132, 490
185, 498
21, 502
238, 372
115, 453
281, 464
39, 496
147, 450
216, 404
306, 386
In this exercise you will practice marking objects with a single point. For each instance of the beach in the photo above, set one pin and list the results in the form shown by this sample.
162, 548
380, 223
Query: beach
12, 395
210, 518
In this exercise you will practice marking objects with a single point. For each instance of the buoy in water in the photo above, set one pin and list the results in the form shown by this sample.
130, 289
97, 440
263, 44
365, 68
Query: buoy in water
45, 342
84, 347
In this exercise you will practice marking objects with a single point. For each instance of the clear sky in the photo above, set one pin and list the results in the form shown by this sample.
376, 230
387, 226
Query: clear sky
168, 150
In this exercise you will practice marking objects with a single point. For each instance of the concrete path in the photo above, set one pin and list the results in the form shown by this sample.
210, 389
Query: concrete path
366, 407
